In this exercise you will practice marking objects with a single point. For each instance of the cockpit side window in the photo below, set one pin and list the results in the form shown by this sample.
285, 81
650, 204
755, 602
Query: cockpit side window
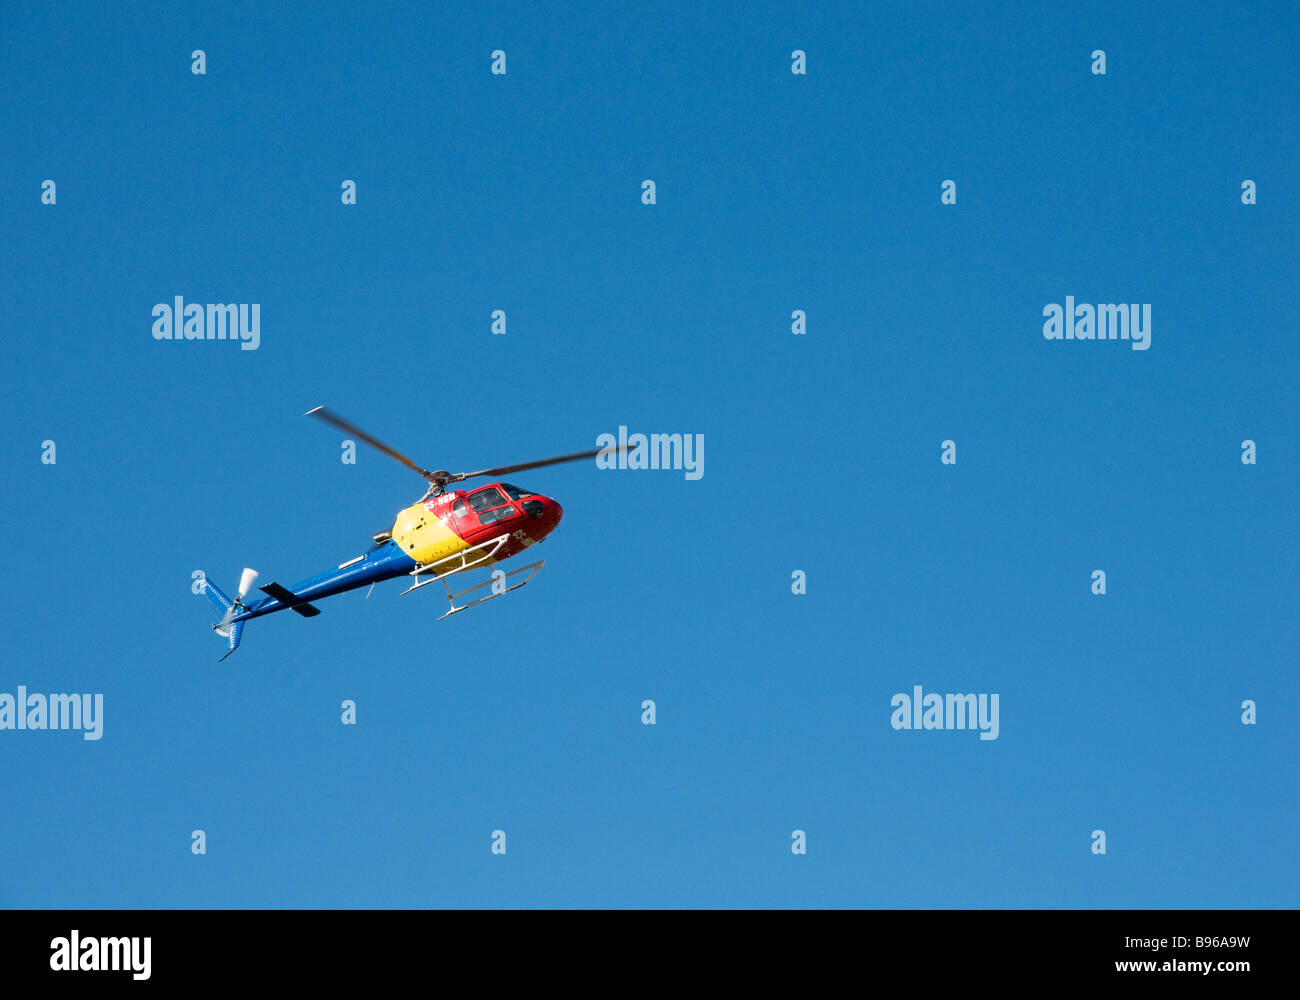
485, 499
499, 514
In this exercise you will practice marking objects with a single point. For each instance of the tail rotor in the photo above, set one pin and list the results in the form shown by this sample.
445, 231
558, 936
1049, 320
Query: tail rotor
246, 581
228, 628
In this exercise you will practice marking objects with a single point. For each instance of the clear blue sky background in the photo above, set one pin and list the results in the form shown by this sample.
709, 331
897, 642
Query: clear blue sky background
775, 193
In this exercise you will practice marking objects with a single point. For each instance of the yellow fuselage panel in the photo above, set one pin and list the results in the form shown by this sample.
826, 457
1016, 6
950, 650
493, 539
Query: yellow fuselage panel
424, 536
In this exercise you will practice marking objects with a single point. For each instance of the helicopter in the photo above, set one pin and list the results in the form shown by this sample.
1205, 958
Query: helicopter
444, 533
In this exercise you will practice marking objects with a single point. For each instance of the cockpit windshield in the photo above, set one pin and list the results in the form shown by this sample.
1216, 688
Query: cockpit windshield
514, 492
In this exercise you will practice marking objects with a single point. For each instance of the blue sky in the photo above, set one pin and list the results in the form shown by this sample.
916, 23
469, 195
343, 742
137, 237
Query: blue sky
775, 192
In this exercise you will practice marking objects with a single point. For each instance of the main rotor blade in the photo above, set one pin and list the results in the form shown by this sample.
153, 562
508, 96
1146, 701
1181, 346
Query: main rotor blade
503, 470
374, 442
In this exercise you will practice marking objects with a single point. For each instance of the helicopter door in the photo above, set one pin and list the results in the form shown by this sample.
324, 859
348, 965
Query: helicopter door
487, 506
463, 520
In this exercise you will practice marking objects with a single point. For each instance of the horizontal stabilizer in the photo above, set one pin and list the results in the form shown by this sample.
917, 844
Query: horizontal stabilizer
291, 600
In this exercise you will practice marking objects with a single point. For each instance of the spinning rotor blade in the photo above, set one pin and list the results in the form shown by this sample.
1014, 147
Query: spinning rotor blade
246, 581
437, 480
374, 442
502, 470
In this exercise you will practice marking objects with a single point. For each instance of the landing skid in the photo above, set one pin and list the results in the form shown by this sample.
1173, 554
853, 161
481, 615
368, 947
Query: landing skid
470, 558
534, 567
